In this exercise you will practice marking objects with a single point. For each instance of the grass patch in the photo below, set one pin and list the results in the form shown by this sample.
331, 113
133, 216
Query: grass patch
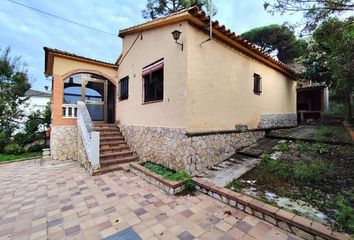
302, 146
282, 146
12, 157
235, 184
345, 215
166, 173
322, 133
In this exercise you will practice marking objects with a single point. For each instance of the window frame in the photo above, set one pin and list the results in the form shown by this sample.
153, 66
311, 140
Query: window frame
123, 97
257, 88
147, 72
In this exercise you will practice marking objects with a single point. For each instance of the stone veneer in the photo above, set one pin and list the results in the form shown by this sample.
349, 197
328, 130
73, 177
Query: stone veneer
174, 149
278, 120
63, 142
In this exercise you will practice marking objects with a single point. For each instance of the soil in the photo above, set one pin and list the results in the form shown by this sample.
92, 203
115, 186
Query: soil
322, 195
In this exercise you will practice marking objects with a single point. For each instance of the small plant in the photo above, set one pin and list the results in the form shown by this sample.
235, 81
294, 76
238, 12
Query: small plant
302, 146
345, 215
13, 149
234, 184
36, 147
322, 133
315, 171
320, 148
166, 173
282, 146
189, 185
275, 166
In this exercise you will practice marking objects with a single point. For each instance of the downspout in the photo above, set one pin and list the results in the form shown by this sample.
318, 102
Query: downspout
210, 24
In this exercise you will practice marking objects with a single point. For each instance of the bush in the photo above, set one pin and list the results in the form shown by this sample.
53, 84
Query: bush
302, 146
315, 171
322, 133
13, 149
275, 166
320, 148
36, 147
345, 215
282, 146
235, 184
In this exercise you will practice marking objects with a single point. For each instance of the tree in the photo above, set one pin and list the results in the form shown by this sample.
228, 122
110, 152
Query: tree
159, 8
314, 11
14, 84
331, 58
277, 38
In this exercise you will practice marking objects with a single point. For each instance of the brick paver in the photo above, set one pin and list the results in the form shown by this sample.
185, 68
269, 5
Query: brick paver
47, 200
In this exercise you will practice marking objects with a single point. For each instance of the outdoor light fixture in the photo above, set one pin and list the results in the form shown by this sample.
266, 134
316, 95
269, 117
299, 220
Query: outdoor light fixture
176, 34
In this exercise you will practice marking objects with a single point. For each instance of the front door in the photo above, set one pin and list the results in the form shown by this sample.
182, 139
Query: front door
95, 98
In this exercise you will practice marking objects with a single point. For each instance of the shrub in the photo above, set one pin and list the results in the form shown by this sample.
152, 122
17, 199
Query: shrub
282, 146
166, 173
13, 149
189, 185
345, 215
302, 146
320, 148
322, 132
314, 171
234, 184
275, 166
36, 147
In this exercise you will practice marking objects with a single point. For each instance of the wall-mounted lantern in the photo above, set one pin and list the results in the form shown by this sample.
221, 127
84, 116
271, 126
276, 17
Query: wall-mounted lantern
176, 34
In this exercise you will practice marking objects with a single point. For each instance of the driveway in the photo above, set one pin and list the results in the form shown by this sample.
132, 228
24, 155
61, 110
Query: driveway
48, 200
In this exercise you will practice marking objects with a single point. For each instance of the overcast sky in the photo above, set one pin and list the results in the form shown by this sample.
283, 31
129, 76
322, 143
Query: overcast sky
27, 31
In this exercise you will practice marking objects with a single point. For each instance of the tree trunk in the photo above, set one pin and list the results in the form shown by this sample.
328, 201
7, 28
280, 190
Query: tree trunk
349, 107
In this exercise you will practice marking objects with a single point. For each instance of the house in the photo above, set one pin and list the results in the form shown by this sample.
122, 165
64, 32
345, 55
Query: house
312, 100
182, 100
37, 100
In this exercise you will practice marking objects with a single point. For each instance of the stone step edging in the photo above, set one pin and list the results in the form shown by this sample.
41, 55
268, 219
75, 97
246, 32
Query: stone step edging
297, 225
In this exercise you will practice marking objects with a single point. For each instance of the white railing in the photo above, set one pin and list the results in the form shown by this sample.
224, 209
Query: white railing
90, 138
69, 110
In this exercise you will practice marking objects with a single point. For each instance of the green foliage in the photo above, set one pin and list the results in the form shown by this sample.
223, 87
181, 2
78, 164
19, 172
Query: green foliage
320, 148
335, 109
322, 132
36, 147
278, 38
159, 8
302, 146
330, 58
314, 171
189, 185
166, 173
11, 157
314, 11
282, 146
14, 84
275, 166
30, 131
13, 149
235, 184
345, 215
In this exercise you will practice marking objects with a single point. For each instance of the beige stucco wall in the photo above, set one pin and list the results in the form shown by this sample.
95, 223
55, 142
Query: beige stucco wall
151, 46
64, 65
220, 87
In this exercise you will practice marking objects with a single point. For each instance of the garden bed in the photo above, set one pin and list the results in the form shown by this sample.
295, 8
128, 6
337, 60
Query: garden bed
161, 177
313, 180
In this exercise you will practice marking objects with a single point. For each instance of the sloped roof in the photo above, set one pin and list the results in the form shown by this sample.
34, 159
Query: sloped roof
200, 18
36, 93
54, 51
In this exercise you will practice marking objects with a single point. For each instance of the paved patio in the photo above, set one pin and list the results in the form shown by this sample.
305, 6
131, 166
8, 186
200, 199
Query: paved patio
44, 200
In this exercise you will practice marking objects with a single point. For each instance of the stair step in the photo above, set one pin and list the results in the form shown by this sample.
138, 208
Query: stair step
110, 134
117, 161
107, 169
115, 154
114, 138
105, 125
107, 149
113, 143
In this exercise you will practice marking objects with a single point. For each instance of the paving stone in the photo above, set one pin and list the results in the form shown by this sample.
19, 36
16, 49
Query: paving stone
134, 210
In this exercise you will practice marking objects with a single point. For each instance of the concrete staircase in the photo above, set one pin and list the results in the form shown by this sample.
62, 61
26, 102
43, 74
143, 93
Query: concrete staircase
115, 153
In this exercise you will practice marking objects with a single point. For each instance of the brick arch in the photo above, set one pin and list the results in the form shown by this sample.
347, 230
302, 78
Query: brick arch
76, 71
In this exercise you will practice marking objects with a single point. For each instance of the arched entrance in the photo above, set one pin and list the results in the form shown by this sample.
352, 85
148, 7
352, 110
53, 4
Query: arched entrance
95, 90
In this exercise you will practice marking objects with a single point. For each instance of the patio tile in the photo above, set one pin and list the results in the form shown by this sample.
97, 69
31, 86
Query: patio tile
41, 200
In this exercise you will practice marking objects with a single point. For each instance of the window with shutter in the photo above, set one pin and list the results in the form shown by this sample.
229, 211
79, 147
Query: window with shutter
124, 88
257, 83
153, 82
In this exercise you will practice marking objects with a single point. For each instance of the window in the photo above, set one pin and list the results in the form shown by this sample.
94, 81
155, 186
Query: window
257, 83
153, 82
124, 88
